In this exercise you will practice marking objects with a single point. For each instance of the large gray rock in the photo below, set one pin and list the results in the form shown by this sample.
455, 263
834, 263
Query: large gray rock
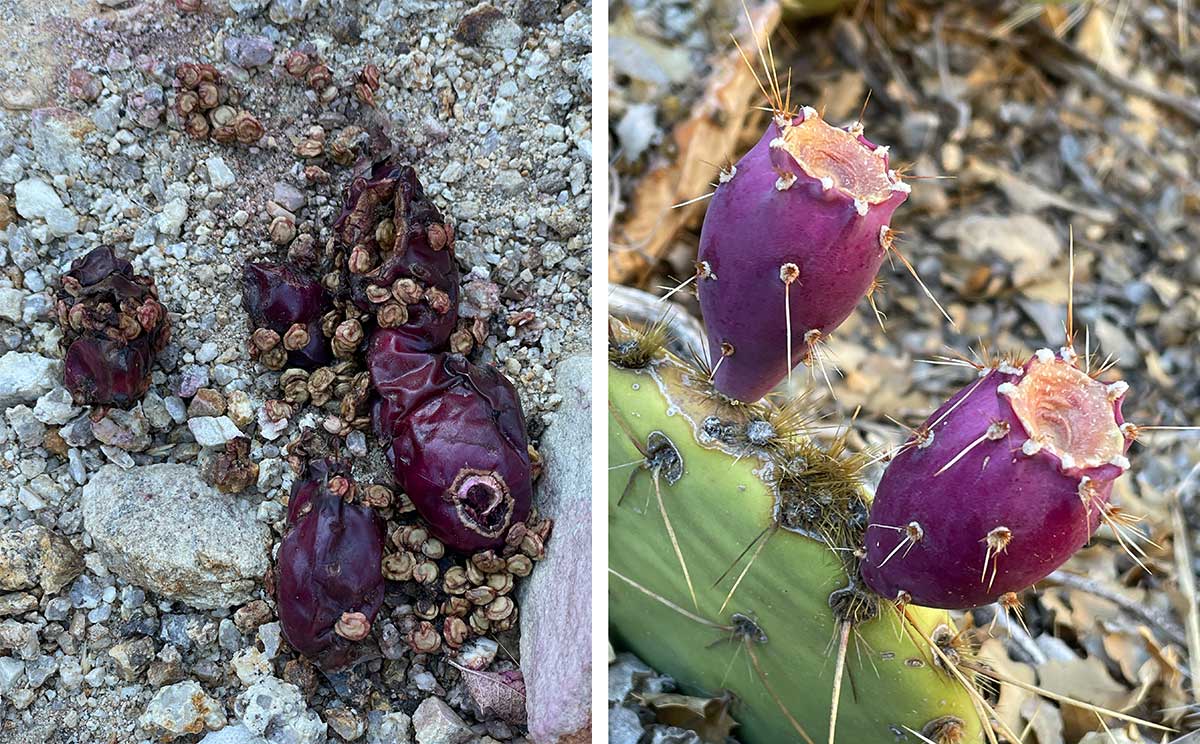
556, 637
26, 377
161, 527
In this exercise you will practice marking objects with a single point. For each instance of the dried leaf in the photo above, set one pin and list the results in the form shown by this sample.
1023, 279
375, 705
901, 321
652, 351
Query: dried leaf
501, 694
708, 717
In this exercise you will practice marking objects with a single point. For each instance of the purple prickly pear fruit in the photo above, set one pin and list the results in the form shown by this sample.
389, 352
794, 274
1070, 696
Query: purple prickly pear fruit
792, 240
278, 295
330, 585
459, 446
400, 257
113, 327
1001, 485
289, 303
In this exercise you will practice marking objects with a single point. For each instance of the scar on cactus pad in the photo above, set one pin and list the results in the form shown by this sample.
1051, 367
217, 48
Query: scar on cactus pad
793, 239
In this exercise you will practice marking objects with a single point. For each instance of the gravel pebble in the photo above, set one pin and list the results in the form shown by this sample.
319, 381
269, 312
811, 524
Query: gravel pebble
25, 377
181, 709
219, 174
435, 722
213, 431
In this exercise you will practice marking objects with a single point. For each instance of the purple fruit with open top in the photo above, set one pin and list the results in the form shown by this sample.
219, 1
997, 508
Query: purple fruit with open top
999, 487
458, 441
792, 240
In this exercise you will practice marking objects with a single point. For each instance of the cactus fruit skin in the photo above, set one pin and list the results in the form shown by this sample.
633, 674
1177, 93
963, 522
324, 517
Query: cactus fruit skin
279, 296
458, 441
328, 568
719, 504
113, 327
413, 257
1006, 513
814, 233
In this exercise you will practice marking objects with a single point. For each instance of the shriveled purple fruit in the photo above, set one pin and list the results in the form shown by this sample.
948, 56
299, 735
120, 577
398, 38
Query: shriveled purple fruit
330, 584
399, 260
113, 327
792, 241
287, 304
459, 446
999, 487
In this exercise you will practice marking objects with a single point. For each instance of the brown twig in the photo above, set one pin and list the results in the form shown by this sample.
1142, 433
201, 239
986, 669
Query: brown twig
1100, 79
1165, 625
1187, 579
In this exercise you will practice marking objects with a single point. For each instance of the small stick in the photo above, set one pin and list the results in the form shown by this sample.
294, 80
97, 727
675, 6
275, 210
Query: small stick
1187, 579
1074, 581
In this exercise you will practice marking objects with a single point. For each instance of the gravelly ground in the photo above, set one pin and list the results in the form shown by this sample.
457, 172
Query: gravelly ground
493, 110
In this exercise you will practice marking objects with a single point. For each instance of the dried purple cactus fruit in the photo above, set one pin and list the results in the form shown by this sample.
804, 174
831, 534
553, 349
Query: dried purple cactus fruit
400, 257
792, 240
330, 584
286, 306
459, 445
113, 327
1001, 485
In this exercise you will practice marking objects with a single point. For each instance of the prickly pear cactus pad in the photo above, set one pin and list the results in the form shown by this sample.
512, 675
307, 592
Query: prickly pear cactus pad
764, 602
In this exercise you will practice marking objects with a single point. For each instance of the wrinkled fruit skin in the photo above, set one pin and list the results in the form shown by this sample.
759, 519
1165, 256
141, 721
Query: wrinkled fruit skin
459, 445
277, 296
422, 250
328, 565
113, 327
752, 230
997, 484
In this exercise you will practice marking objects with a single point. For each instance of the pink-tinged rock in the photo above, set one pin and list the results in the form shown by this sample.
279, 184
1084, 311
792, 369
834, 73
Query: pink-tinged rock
792, 241
556, 658
1001, 485
458, 441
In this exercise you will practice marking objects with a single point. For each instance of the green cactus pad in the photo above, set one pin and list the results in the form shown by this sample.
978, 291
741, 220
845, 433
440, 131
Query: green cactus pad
775, 641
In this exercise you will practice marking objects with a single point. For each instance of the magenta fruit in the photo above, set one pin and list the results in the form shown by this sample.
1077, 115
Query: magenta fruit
330, 584
281, 298
792, 240
1001, 485
400, 257
459, 445
113, 327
